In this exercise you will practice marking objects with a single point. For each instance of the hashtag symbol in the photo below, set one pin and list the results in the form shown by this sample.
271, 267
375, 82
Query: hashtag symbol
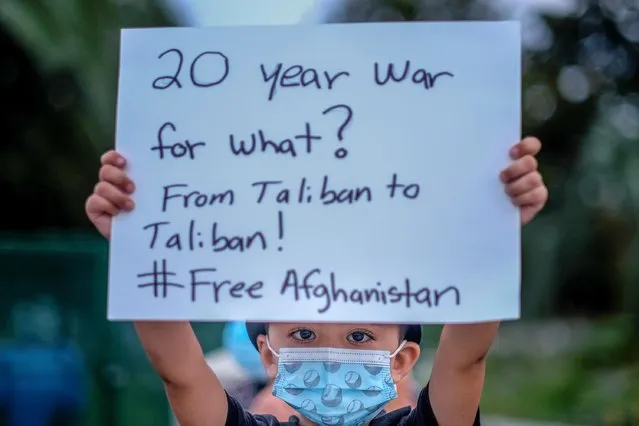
159, 279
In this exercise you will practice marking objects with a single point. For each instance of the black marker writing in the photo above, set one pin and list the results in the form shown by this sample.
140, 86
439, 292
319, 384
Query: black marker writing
236, 290
193, 237
159, 279
298, 76
222, 71
258, 142
302, 193
280, 227
216, 65
410, 191
188, 199
167, 81
311, 286
177, 149
341, 152
418, 76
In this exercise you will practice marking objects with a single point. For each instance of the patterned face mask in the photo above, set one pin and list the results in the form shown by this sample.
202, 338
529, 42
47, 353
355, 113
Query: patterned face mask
335, 387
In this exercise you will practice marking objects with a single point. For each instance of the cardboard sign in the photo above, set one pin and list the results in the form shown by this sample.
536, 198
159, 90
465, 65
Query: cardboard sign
318, 173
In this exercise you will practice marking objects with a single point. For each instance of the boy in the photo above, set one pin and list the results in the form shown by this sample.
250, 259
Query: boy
331, 374
255, 393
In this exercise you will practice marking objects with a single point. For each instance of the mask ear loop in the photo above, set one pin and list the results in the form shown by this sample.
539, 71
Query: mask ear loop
398, 350
270, 348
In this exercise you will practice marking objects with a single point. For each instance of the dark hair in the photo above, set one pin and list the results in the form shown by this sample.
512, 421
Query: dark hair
409, 332
403, 330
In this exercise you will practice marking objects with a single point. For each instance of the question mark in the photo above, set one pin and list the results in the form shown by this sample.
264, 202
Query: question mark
342, 152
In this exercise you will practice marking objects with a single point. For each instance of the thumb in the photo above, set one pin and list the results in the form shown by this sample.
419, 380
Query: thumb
528, 213
100, 212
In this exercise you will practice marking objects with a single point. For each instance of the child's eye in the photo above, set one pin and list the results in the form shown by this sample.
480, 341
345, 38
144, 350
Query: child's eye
303, 335
358, 337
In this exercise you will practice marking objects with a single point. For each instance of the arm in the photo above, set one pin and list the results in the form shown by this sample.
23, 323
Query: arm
457, 378
194, 392
458, 373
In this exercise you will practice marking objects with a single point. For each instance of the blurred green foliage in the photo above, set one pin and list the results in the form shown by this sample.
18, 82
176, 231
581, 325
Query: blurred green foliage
591, 383
58, 93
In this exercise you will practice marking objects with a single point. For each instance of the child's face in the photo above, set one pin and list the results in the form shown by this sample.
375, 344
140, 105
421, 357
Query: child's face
348, 336
385, 337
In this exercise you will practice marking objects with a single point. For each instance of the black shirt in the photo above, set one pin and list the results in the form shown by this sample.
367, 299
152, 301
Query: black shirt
422, 415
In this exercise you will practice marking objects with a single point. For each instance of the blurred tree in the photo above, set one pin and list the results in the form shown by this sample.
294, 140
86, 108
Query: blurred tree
581, 99
58, 70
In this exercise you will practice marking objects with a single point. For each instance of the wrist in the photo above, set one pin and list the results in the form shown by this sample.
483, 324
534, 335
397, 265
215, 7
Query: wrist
468, 344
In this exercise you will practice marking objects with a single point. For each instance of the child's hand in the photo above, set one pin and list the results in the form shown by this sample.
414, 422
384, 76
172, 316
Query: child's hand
524, 184
111, 194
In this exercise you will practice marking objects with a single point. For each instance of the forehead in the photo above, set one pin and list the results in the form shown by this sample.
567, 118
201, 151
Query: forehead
333, 328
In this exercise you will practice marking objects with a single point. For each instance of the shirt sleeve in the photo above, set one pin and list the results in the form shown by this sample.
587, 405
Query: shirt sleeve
238, 416
424, 414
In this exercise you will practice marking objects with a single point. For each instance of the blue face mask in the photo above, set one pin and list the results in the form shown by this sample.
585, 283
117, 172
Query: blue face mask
335, 387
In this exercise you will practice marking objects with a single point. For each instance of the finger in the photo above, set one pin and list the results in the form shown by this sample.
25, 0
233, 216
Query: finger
528, 213
117, 177
97, 205
524, 184
113, 158
114, 195
519, 168
528, 146
536, 197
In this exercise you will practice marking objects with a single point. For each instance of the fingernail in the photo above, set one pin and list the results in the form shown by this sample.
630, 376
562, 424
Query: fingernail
502, 176
120, 161
130, 188
129, 205
514, 151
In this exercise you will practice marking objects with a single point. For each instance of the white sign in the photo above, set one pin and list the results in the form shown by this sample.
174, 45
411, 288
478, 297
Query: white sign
318, 173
